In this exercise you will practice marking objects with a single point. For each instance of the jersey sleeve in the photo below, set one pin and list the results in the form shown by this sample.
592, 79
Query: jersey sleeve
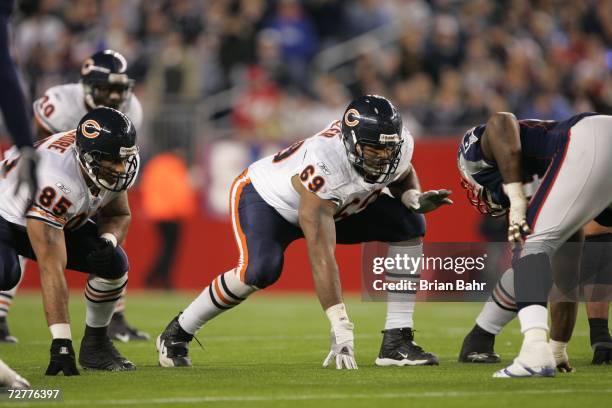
55, 203
50, 112
320, 174
134, 112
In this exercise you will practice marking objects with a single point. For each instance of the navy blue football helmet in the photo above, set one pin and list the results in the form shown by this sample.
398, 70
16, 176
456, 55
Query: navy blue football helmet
105, 81
106, 137
373, 121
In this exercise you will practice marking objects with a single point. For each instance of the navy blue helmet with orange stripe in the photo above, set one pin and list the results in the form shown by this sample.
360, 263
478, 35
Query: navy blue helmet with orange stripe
106, 149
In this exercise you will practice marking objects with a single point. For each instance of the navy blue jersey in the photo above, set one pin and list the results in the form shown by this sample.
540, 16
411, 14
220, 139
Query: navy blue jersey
541, 140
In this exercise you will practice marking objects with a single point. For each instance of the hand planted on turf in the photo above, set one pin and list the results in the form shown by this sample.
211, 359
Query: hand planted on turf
342, 347
427, 201
602, 353
62, 358
99, 259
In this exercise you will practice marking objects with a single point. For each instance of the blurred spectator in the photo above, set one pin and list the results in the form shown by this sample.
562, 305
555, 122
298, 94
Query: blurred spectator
167, 199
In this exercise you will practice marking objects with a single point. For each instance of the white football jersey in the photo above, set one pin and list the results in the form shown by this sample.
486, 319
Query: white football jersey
63, 199
322, 163
62, 107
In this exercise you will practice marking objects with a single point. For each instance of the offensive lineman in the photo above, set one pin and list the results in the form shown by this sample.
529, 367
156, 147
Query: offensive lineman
327, 189
104, 82
81, 173
496, 159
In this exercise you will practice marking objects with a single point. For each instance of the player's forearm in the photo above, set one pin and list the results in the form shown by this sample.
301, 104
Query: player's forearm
410, 181
116, 225
326, 278
502, 143
54, 293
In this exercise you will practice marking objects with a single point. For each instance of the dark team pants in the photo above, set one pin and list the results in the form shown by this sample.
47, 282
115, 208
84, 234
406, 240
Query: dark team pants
263, 234
79, 243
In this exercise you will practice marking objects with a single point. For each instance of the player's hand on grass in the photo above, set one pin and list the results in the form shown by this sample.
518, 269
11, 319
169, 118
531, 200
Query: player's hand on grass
602, 353
342, 347
518, 227
62, 358
427, 201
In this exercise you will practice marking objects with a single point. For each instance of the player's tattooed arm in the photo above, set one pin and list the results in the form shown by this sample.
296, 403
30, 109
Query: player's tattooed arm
501, 143
316, 218
115, 217
50, 250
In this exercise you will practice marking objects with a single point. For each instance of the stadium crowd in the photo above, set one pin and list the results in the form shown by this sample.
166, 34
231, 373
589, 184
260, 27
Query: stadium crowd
449, 65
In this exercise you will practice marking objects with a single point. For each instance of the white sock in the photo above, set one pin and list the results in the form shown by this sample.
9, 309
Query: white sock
559, 350
500, 308
533, 317
400, 305
223, 293
120, 305
101, 295
6, 300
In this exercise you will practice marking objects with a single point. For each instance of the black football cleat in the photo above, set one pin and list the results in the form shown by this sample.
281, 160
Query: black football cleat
99, 353
119, 329
399, 349
173, 346
478, 347
5, 334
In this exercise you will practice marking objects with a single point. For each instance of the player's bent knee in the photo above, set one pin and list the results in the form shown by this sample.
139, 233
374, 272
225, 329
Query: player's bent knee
408, 228
11, 275
263, 273
118, 267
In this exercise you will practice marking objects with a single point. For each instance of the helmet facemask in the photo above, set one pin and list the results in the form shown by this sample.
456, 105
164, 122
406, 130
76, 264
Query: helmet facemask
374, 169
99, 94
105, 177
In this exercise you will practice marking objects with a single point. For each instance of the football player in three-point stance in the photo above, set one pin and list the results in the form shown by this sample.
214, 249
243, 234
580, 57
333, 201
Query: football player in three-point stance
495, 160
327, 189
81, 173
104, 82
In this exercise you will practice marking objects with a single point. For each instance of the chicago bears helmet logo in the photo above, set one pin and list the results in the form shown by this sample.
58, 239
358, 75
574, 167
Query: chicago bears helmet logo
354, 121
91, 129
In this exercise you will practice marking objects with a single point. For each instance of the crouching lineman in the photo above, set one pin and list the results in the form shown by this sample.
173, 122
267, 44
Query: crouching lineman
104, 82
495, 160
81, 173
327, 189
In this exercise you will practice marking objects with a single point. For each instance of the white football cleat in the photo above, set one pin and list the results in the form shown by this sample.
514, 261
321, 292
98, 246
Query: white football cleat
535, 360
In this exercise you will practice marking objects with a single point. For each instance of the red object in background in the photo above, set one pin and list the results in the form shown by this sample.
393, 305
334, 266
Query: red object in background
207, 246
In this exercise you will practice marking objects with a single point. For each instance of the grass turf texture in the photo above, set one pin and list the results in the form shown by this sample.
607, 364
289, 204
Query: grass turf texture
268, 352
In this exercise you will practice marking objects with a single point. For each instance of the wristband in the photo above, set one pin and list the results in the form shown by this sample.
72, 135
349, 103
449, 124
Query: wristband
337, 314
60, 331
515, 193
110, 237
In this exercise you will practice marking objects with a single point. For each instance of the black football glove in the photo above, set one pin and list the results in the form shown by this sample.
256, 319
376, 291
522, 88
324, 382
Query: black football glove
602, 353
62, 358
100, 258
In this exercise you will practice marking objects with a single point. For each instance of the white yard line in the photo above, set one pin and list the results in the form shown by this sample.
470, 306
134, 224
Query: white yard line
313, 397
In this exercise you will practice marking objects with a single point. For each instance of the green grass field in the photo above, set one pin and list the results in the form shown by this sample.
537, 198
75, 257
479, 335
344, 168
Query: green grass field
267, 353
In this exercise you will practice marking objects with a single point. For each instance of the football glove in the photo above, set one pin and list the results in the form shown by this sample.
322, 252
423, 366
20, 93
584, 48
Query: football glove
342, 347
517, 218
602, 353
100, 258
427, 201
26, 173
62, 358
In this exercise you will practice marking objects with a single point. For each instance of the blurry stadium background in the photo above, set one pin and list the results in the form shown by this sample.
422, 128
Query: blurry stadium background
228, 81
